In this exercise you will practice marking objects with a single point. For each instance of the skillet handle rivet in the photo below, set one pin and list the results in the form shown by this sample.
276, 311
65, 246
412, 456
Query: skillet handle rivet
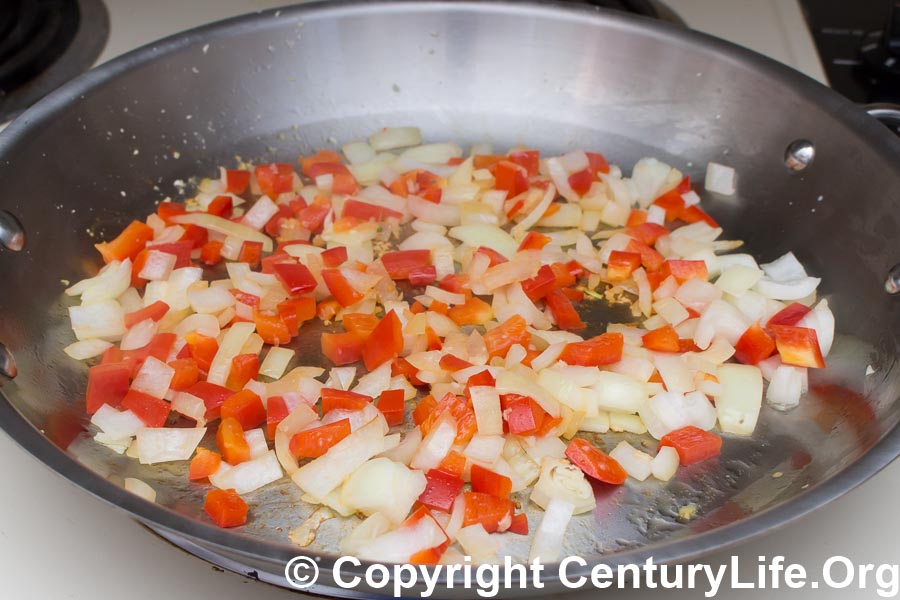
892, 283
12, 234
7, 365
799, 155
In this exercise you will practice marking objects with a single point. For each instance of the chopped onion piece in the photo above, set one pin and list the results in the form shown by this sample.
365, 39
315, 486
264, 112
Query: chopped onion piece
719, 179
141, 488
204, 324
486, 404
484, 448
225, 227
358, 153
364, 488
822, 320
636, 463
87, 349
548, 539
153, 378
785, 387
435, 445
665, 463
103, 320
739, 402
108, 284
276, 361
167, 444
395, 137
321, 475
491, 236
190, 406
296, 421
562, 480
117, 424
248, 476
230, 346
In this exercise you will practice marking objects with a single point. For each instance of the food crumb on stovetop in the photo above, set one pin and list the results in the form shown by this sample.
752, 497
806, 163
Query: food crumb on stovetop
687, 512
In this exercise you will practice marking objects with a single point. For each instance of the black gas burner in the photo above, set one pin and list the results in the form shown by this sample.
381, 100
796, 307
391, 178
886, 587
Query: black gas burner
43, 44
646, 8
859, 45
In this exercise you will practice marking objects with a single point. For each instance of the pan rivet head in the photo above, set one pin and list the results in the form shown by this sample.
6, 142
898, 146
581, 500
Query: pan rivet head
892, 283
799, 155
7, 365
12, 234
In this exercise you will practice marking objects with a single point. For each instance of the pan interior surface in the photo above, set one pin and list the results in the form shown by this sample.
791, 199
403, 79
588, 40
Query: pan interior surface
102, 151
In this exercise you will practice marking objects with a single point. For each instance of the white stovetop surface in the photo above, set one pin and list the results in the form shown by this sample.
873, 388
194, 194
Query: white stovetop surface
58, 542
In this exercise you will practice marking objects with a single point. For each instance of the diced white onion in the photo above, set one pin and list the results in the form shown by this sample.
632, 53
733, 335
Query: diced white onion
167, 444
719, 179
636, 463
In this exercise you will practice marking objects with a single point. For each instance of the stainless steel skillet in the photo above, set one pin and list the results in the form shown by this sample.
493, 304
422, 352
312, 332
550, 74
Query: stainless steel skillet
103, 148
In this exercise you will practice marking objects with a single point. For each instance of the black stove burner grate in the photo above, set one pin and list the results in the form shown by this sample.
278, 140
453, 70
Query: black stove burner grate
33, 35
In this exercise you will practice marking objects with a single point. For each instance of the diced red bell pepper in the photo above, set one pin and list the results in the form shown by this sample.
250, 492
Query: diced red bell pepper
152, 411
421, 276
322, 156
672, 203
271, 328
155, 311
334, 257
534, 241
460, 410
186, 373
486, 481
581, 181
211, 253
636, 217
231, 441
530, 160
312, 217
647, 233
362, 324
296, 277
127, 244
502, 337
798, 346
423, 409
754, 346
251, 300
650, 258
495, 257
487, 161
313, 443
523, 415
166, 210
789, 315
365, 211
344, 399
510, 178
342, 348
385, 343
225, 508
564, 313
107, 384
296, 311
246, 407
597, 162
486, 509
474, 311
441, 490
541, 284
340, 288
684, 186
391, 404
692, 214
519, 524
453, 363
454, 464
203, 349
480, 379
663, 339
621, 265
692, 444
236, 181
250, 253
205, 463
400, 263
181, 250
221, 206
213, 397
682, 270
595, 463
342, 181
273, 226
605, 349
276, 411
275, 179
